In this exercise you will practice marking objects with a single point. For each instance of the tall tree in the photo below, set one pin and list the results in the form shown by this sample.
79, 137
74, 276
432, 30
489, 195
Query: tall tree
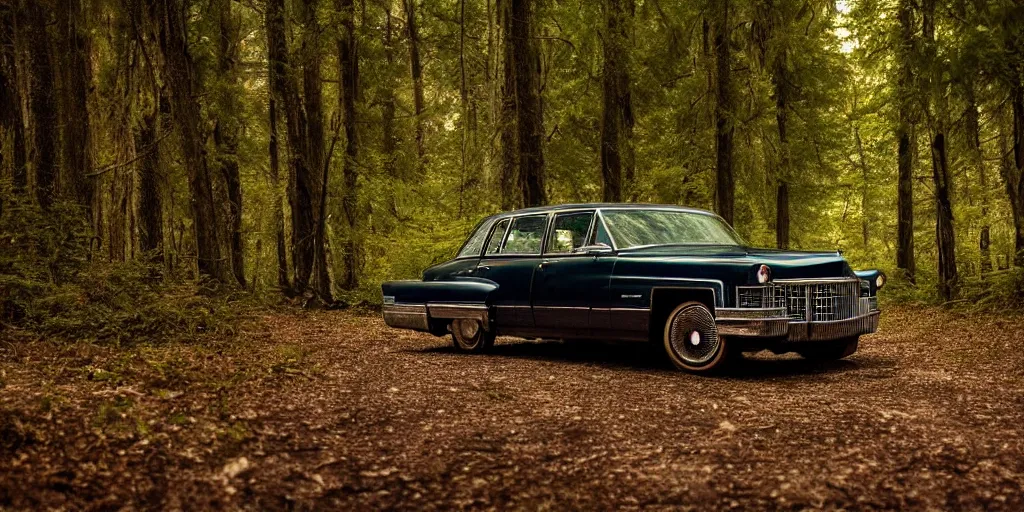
616, 102
225, 133
972, 129
75, 47
529, 116
181, 76
42, 105
938, 114
12, 117
905, 141
389, 142
300, 186
348, 59
315, 183
725, 192
1012, 77
417, 78
281, 245
1013, 170
509, 161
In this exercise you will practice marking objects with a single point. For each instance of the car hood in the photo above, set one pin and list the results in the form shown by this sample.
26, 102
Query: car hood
733, 259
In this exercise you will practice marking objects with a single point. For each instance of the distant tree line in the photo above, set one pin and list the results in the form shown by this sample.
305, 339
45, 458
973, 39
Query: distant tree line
318, 146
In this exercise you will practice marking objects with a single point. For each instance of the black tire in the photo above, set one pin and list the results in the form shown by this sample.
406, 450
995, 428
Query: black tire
469, 336
829, 350
691, 339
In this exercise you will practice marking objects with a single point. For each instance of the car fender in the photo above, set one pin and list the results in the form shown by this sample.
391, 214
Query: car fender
463, 290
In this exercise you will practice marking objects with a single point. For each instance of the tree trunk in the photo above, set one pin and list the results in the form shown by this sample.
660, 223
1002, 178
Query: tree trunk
180, 75
904, 146
972, 126
417, 78
865, 179
389, 143
611, 120
300, 186
12, 116
1013, 173
724, 126
530, 117
316, 182
780, 82
225, 135
348, 60
275, 183
626, 103
151, 233
43, 106
75, 48
944, 233
507, 175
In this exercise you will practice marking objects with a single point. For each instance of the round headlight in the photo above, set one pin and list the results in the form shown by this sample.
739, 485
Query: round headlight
764, 274
880, 281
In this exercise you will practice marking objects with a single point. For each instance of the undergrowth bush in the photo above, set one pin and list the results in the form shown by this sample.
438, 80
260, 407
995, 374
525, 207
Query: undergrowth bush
995, 291
50, 287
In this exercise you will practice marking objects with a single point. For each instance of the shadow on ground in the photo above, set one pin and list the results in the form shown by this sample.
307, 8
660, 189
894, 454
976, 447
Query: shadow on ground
627, 356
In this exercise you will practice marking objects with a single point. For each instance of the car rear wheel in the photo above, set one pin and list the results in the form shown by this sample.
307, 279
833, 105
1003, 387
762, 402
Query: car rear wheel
829, 350
691, 339
469, 336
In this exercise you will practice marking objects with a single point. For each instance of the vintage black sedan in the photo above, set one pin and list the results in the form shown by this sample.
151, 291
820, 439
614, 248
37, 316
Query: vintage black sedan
678, 277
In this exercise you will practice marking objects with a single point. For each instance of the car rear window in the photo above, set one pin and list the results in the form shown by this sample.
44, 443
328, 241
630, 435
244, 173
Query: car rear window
476, 241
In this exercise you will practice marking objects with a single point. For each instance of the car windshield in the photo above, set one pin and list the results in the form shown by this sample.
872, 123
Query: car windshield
637, 228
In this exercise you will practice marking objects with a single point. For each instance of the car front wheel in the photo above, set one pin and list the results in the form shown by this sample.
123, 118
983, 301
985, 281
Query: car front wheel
829, 350
469, 336
691, 339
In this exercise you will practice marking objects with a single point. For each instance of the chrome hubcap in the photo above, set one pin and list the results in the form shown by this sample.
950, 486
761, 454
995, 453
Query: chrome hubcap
692, 335
467, 331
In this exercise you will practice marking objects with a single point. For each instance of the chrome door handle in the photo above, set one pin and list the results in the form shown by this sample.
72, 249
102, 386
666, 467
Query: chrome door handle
483, 268
542, 265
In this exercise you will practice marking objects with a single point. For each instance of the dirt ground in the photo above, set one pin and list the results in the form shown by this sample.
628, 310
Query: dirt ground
334, 410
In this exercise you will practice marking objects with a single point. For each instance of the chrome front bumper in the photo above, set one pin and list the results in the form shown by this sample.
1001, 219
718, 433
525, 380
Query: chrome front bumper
773, 323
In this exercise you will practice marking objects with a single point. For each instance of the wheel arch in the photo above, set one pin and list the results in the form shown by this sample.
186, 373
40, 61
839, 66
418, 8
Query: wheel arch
665, 299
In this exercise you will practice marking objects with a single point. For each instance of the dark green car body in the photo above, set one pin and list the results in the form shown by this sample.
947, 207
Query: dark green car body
600, 290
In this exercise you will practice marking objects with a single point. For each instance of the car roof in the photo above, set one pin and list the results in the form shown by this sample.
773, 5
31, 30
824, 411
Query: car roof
586, 206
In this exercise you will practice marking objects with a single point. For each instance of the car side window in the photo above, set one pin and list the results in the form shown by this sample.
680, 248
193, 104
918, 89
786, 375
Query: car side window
475, 242
497, 234
526, 235
601, 235
569, 232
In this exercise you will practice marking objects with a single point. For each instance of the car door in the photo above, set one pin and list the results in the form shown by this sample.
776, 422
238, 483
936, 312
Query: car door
571, 279
512, 254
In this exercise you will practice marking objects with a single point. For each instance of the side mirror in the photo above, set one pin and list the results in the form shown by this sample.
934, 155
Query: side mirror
593, 250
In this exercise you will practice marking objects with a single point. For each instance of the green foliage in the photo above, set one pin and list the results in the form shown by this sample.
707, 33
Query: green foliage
49, 287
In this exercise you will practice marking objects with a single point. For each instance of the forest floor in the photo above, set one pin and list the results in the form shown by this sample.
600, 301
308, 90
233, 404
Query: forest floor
333, 410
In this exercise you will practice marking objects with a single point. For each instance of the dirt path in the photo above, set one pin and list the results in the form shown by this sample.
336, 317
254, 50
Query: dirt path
330, 410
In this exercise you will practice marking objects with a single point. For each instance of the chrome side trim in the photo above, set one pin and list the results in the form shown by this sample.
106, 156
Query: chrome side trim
407, 316
718, 292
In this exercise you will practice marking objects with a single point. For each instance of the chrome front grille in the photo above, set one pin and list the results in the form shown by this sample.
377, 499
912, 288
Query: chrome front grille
806, 300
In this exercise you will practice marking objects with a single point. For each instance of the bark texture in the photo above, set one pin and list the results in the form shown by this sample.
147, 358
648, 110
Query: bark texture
529, 113
300, 185
905, 144
944, 233
725, 193
180, 74
348, 59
